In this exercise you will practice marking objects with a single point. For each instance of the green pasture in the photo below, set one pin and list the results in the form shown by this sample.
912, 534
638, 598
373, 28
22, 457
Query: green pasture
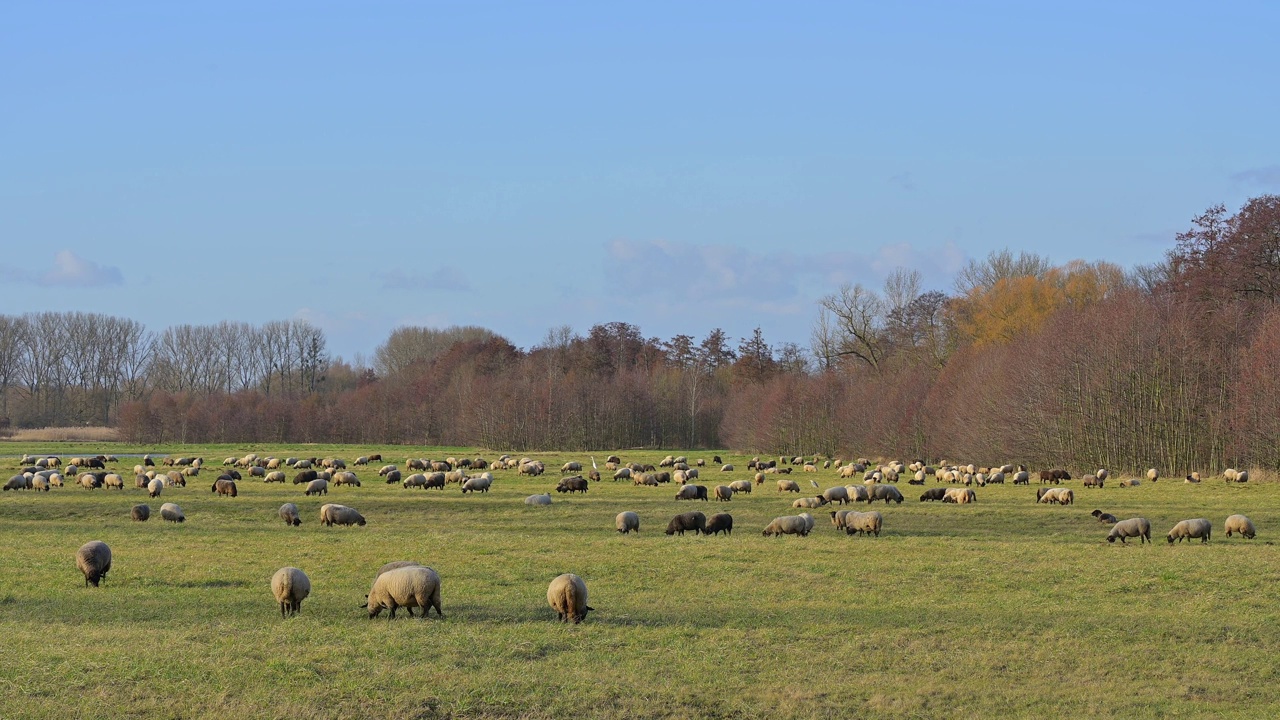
1004, 608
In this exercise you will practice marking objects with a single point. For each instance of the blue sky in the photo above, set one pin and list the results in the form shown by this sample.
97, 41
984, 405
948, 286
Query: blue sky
679, 166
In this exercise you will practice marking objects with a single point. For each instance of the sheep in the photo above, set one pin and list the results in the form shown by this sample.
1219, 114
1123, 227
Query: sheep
155, 487
933, 494
787, 525
394, 477
1102, 474
723, 493
1240, 524
692, 492
140, 513
691, 473
863, 523
94, 560
228, 487
40, 482
1133, 527
273, 464
457, 476
959, 496
1193, 478
572, 484
1130, 482
1092, 481
613, 459
1153, 475
317, 487
572, 466
858, 493
627, 521
1195, 528
408, 587
886, 493
726, 468
87, 481
622, 474
305, 476
741, 486
695, 521
646, 479
809, 503
1241, 476
55, 479
386, 469
567, 595
809, 467
113, 480
289, 514
434, 480
17, 482
837, 494
538, 499
1104, 518
346, 477
788, 486
838, 517
1022, 477
719, 522
331, 514
917, 478
172, 513
290, 586
362, 460
479, 483
533, 469
1058, 496
418, 480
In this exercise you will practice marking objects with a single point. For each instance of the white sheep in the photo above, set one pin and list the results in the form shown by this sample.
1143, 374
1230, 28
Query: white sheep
290, 586
627, 522
1240, 524
567, 595
407, 587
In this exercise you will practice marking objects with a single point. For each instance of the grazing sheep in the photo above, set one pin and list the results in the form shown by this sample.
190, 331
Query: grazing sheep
1240, 524
317, 487
787, 525
55, 479
1102, 474
726, 468
408, 587
40, 482
1104, 518
18, 482
394, 477
695, 521
692, 492
959, 496
573, 484
94, 560
290, 586
809, 503
385, 469
567, 595
647, 479
887, 493
1133, 527
627, 521
1092, 481
289, 514
331, 514
112, 480
838, 494
1193, 478
724, 493
228, 487
934, 494
479, 483
434, 480
1058, 496
305, 476
346, 477
838, 517
622, 474
1022, 477
1242, 476
155, 487
1188, 529
572, 466
418, 480
140, 513
863, 523
538, 499
788, 486
172, 513
1153, 475
719, 522
1130, 482
741, 486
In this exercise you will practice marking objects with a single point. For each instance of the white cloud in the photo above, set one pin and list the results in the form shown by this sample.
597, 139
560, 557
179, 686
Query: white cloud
69, 269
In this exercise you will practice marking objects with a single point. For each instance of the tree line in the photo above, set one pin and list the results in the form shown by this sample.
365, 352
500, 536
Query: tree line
1171, 364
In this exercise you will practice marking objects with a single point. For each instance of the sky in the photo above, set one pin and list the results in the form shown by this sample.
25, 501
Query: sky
678, 166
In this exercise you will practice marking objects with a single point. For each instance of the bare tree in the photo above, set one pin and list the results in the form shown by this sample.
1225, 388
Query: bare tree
853, 317
1000, 265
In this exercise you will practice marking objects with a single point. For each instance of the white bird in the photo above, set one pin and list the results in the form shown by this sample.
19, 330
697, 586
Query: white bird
813, 483
593, 463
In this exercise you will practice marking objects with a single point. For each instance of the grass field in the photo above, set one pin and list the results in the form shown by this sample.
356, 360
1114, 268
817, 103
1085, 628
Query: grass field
1004, 608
